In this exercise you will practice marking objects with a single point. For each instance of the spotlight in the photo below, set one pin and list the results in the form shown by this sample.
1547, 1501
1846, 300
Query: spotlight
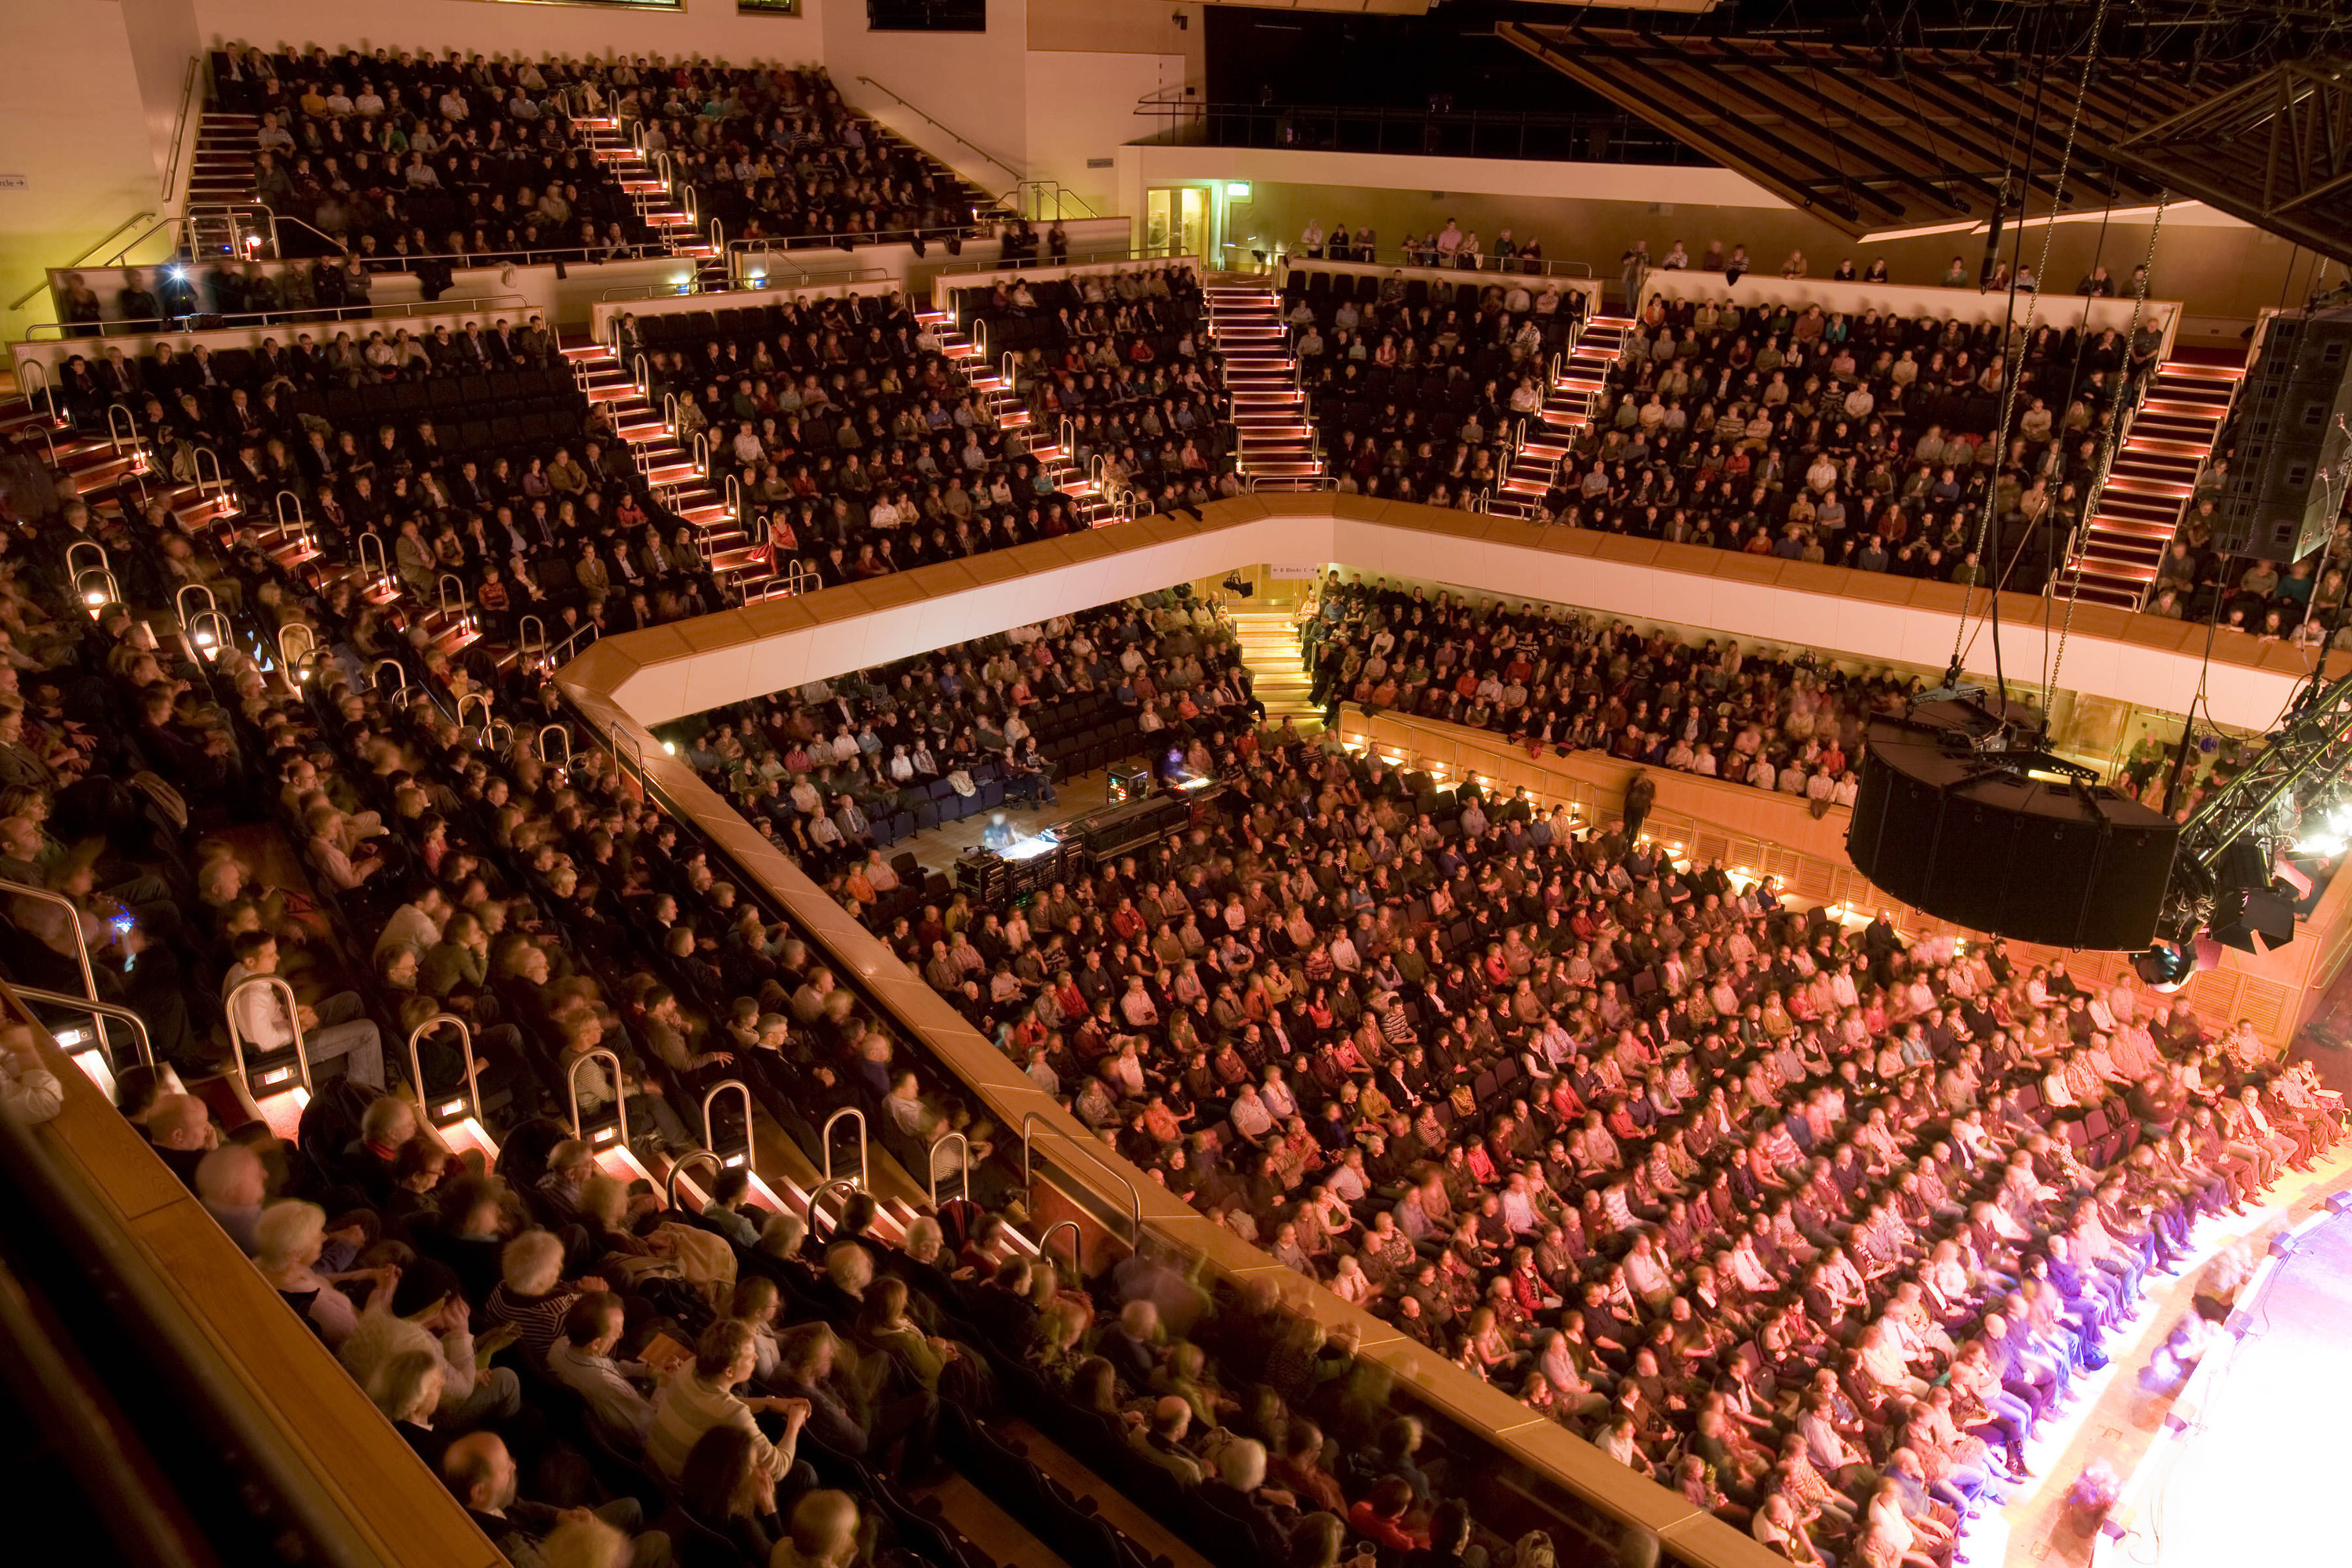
2163, 967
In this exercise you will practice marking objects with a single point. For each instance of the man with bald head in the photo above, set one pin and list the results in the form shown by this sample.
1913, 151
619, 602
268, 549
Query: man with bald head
182, 1133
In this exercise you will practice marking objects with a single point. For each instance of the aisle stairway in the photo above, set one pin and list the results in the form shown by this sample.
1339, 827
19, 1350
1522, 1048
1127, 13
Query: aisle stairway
222, 171
997, 397
1569, 393
1274, 443
736, 559
2135, 513
1269, 647
656, 205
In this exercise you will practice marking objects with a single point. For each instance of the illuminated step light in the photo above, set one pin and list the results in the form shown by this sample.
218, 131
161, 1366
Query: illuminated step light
274, 1077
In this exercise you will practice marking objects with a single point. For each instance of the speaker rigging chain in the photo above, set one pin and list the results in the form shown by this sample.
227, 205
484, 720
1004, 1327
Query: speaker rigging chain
2108, 457
2013, 340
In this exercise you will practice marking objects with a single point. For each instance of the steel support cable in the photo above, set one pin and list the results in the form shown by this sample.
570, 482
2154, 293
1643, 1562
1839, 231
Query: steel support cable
2009, 346
2113, 444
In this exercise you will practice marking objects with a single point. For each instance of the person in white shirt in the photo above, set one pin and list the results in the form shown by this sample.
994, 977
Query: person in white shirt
700, 1394
582, 1362
338, 1028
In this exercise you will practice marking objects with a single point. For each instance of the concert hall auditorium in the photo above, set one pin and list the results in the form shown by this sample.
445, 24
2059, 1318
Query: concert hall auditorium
1176, 783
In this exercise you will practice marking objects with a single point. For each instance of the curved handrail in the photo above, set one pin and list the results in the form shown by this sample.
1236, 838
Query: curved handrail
538, 745
1028, 1181
94, 599
702, 454
816, 1204
825, 1144
679, 1166
620, 1095
397, 668
180, 602
531, 636
709, 1128
1017, 176
74, 567
483, 699
123, 432
206, 486
287, 658
382, 571
1078, 1245
73, 922
472, 1103
963, 1164
98, 1013
441, 587
293, 1021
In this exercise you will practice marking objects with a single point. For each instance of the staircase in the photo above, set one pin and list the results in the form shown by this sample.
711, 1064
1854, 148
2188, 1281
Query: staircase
736, 559
657, 207
1274, 445
2138, 509
221, 172
1080, 491
1569, 393
1269, 648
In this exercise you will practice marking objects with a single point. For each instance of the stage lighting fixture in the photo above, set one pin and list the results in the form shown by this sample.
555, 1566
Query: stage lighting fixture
2253, 920
2163, 967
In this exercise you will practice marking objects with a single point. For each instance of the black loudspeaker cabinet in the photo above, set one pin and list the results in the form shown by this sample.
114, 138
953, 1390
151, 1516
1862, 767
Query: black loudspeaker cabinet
2004, 853
2293, 434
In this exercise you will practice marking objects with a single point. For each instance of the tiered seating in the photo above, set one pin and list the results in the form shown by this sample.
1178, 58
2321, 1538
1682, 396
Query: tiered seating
1106, 366
1421, 387
2139, 512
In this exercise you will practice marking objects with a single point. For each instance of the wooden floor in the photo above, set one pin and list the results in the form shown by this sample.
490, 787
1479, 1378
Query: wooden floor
938, 849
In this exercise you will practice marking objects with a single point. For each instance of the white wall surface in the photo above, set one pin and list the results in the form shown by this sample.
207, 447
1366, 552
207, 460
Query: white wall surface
163, 35
973, 84
1082, 107
712, 28
727, 657
72, 124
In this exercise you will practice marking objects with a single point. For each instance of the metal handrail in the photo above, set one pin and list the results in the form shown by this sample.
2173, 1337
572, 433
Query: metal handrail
180, 604
441, 599
206, 486
108, 592
710, 1126
679, 1166
180, 125
397, 668
816, 1204
98, 1013
73, 919
287, 658
824, 1143
1093, 256
74, 567
155, 326
382, 571
473, 1101
538, 745
483, 698
963, 1164
620, 1095
1028, 1181
1077, 1244
122, 432
293, 1021
21, 300
1017, 176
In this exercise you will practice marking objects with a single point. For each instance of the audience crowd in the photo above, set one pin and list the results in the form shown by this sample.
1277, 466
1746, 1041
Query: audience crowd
1552, 678
1817, 1226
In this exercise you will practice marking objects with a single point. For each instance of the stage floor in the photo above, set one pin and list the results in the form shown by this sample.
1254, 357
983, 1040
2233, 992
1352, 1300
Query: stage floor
2118, 1419
2257, 1477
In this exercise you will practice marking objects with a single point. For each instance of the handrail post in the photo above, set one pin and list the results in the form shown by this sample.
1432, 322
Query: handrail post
1078, 1245
620, 1095
473, 1101
98, 1013
538, 745
824, 1143
73, 921
681, 1165
710, 1126
397, 668
276, 983
816, 1203
1028, 1184
963, 1164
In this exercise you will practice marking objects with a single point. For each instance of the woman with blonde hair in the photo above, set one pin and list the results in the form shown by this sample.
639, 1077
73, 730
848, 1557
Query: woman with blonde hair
288, 1239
